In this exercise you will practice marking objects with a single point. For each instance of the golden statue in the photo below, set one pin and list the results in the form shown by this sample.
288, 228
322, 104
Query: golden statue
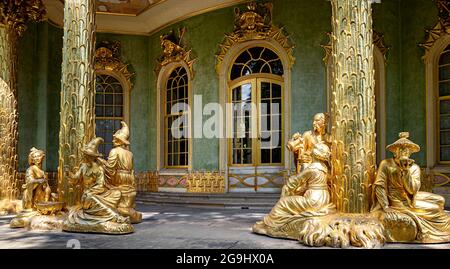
120, 175
40, 211
302, 145
408, 215
36, 188
304, 196
98, 209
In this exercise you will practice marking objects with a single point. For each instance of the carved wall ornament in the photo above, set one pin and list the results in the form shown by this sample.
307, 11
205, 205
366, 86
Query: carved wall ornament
255, 23
441, 29
174, 51
378, 41
107, 57
206, 182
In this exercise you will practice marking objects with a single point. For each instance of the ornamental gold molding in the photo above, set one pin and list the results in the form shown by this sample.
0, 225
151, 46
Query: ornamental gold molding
441, 29
254, 24
107, 58
174, 51
77, 127
206, 182
16, 14
378, 41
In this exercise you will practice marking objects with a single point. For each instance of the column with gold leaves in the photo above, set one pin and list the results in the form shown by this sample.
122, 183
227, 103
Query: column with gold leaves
14, 15
353, 105
77, 125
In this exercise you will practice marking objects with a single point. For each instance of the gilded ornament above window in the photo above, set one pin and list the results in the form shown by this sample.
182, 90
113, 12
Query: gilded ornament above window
174, 51
440, 29
107, 58
255, 23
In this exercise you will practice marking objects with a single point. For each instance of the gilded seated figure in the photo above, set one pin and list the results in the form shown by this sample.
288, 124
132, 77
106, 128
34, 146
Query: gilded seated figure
97, 211
304, 196
36, 188
302, 145
36, 191
120, 175
408, 215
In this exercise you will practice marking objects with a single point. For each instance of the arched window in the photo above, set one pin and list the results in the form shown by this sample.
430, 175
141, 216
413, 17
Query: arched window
443, 108
176, 116
109, 109
256, 92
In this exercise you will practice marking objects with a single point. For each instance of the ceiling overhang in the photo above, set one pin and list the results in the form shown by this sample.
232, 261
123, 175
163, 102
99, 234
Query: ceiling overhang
139, 18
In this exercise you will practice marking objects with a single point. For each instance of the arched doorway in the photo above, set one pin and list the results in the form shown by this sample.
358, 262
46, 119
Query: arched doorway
256, 145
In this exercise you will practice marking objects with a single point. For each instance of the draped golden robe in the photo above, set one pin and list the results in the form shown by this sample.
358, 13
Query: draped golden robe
98, 204
401, 194
305, 195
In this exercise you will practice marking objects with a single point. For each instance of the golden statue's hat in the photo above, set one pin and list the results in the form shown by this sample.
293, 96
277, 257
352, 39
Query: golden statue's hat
403, 142
91, 148
321, 151
123, 134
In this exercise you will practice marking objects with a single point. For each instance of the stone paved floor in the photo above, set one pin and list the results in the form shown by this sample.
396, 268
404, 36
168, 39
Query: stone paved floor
170, 227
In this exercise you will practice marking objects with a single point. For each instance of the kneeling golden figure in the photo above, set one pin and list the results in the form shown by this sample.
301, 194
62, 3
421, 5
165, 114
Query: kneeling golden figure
407, 214
119, 174
97, 212
304, 196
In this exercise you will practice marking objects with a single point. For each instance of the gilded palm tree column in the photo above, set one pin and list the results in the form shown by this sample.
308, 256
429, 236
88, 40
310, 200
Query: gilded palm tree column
77, 125
14, 15
353, 105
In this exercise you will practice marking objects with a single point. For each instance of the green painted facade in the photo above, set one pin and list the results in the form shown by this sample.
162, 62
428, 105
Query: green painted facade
403, 23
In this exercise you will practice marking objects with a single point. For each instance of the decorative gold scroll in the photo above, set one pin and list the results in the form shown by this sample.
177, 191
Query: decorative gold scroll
254, 24
174, 51
14, 15
353, 106
77, 126
440, 29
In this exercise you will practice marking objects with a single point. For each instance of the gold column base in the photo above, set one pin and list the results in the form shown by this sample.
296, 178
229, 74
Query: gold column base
336, 230
8, 207
34, 221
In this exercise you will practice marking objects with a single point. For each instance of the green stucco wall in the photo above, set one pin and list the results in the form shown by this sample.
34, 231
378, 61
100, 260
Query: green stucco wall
402, 22
417, 16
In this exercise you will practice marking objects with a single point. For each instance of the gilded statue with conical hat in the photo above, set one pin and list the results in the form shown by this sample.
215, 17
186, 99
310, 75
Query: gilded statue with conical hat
408, 215
120, 174
98, 210
304, 196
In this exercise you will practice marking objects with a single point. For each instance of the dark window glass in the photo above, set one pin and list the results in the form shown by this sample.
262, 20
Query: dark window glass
256, 60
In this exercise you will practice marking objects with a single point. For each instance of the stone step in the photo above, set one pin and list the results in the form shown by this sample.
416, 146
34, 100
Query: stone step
230, 200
